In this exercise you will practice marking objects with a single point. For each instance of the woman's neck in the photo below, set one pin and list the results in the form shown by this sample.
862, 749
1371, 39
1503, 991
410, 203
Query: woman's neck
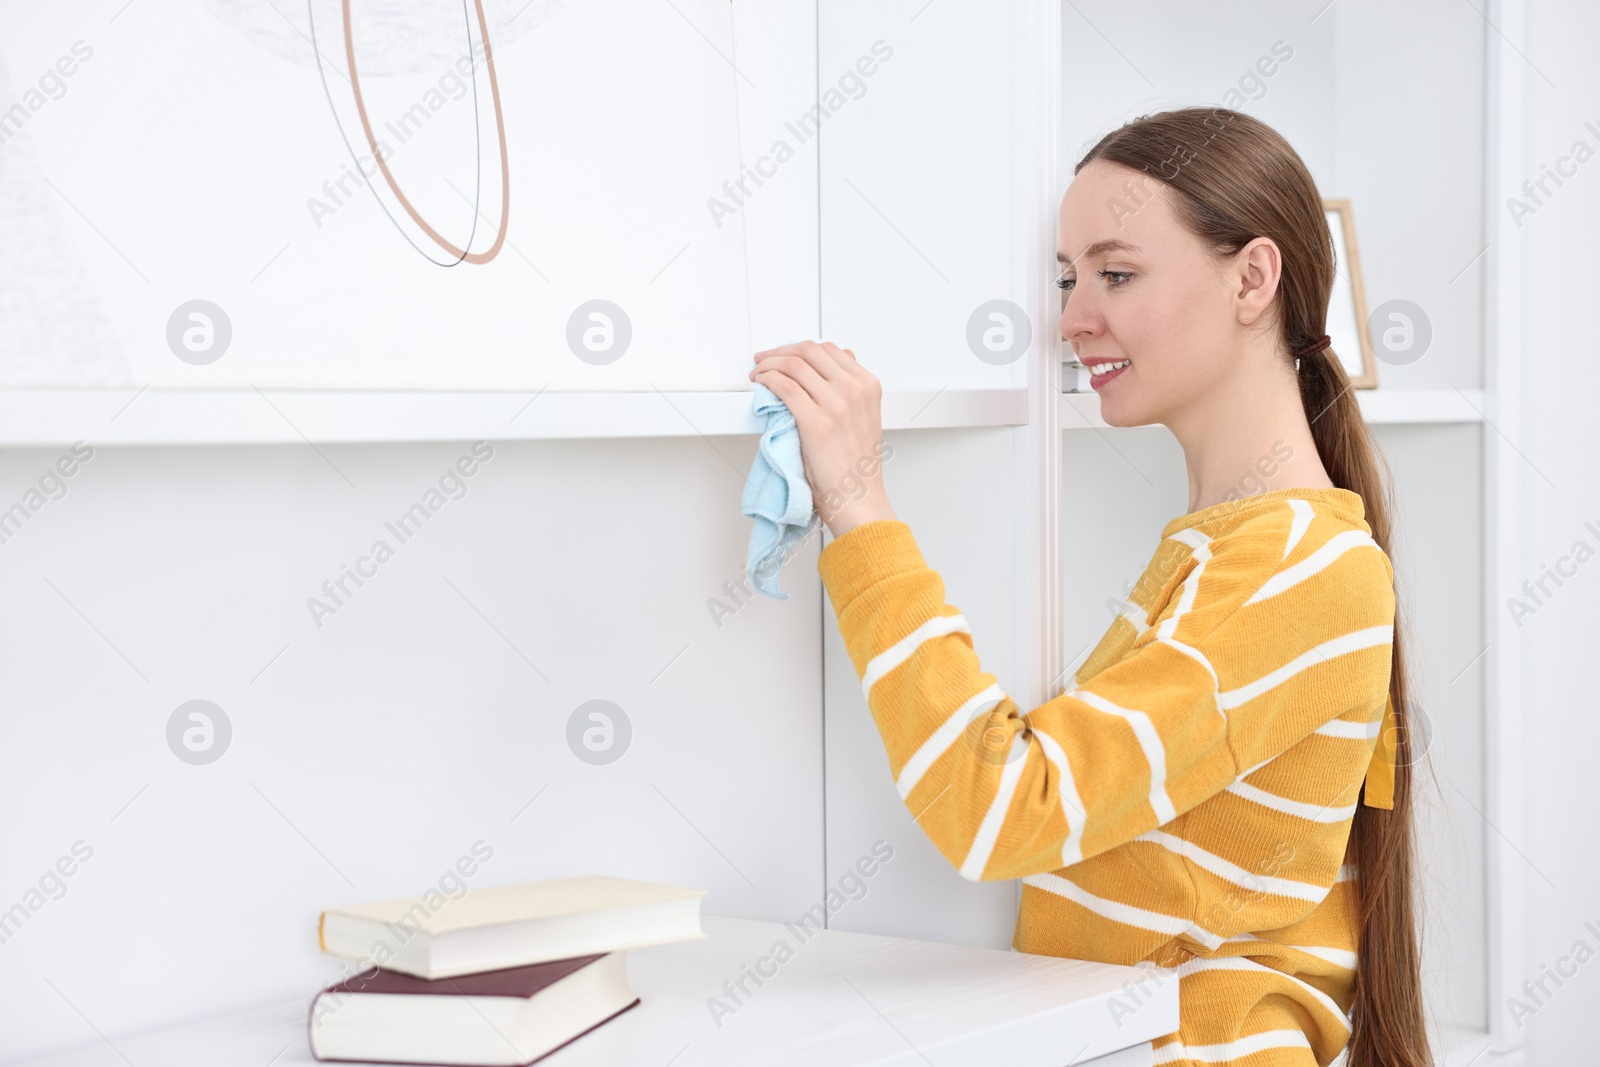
1247, 436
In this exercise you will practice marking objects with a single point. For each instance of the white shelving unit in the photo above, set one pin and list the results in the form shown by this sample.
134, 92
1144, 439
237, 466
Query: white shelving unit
233, 417
1506, 75
1032, 406
1081, 411
52, 417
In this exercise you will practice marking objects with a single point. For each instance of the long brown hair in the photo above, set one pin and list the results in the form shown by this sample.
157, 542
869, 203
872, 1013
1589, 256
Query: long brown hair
1236, 179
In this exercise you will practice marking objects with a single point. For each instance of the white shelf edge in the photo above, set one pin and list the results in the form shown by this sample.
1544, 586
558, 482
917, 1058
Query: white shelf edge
1506, 896
1421, 405
1081, 411
52, 417
1459, 1046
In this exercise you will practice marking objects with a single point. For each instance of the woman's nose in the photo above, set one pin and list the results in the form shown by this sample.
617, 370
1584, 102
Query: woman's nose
1077, 317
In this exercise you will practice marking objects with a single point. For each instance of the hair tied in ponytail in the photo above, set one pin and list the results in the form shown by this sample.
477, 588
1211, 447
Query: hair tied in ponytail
1312, 349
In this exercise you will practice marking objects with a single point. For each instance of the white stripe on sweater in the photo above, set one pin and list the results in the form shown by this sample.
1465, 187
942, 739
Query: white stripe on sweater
1198, 543
929, 752
1136, 616
1078, 820
902, 650
1314, 564
1257, 767
1371, 637
988, 830
1298, 808
1229, 1051
1194, 654
1303, 514
1355, 731
1339, 957
1155, 754
1126, 914
1240, 963
1191, 537
1256, 883
1166, 633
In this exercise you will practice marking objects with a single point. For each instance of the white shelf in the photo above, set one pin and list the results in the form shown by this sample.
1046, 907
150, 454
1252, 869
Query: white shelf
1081, 411
230, 416
1457, 1046
1422, 405
53, 417
845, 999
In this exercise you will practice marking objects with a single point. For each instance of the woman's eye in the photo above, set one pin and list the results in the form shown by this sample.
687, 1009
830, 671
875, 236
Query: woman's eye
1122, 276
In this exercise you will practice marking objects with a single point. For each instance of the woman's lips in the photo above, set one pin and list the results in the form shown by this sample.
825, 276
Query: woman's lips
1099, 381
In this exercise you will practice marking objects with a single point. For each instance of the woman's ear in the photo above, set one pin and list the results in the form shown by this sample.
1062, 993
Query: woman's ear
1257, 268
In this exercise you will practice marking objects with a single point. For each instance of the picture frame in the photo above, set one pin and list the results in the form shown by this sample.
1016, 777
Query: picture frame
1347, 304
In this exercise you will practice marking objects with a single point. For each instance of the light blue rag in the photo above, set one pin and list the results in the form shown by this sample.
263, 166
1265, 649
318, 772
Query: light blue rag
776, 495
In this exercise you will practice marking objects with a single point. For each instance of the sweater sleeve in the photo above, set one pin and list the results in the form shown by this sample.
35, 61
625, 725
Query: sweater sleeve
1248, 656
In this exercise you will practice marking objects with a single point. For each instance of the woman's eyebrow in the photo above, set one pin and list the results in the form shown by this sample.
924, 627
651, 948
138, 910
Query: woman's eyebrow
1110, 244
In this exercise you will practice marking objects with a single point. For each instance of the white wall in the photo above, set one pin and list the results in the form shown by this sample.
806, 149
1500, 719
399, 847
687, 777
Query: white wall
1437, 550
1561, 733
370, 753
431, 708
917, 180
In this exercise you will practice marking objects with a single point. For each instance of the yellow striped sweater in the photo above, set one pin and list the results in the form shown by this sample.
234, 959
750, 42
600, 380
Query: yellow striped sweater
1187, 801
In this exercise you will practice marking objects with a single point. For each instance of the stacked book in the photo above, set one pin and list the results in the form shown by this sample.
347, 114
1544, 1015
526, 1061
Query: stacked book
502, 975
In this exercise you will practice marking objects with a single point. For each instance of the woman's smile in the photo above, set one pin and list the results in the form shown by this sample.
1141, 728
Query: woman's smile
1101, 373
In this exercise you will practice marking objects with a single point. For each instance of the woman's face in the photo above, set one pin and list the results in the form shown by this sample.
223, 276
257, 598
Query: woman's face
1141, 288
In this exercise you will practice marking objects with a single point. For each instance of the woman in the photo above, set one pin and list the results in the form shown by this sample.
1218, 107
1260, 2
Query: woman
1224, 789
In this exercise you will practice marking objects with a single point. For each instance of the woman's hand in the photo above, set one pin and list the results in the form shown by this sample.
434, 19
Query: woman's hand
836, 405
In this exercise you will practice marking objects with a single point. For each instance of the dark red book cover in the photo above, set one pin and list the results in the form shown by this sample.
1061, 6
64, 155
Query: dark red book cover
510, 982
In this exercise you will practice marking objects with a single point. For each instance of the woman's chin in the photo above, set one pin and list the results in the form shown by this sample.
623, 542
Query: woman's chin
1118, 410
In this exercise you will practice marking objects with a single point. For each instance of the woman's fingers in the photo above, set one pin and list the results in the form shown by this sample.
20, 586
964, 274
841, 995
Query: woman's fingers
874, 387
823, 358
846, 361
833, 384
800, 388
